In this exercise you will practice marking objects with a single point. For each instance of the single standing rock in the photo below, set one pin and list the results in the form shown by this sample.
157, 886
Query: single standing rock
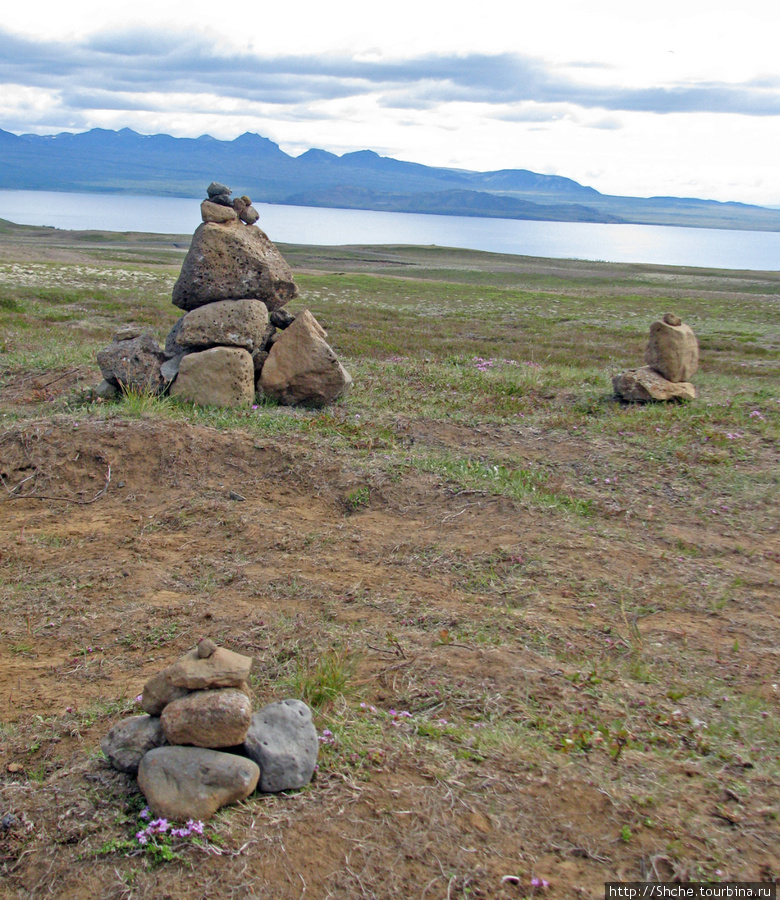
212, 718
302, 368
645, 384
220, 376
129, 740
672, 349
183, 783
232, 262
230, 323
283, 741
133, 363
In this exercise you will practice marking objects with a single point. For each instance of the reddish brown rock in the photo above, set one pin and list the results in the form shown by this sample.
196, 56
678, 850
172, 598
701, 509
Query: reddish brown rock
215, 718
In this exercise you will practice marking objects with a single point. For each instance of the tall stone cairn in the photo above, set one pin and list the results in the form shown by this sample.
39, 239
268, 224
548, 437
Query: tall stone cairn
233, 286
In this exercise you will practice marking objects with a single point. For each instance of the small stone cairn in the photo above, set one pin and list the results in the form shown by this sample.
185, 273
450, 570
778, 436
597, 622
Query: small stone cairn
235, 341
199, 747
672, 358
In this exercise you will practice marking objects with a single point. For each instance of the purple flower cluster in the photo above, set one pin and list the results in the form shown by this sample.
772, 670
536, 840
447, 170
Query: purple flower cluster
483, 364
162, 826
395, 716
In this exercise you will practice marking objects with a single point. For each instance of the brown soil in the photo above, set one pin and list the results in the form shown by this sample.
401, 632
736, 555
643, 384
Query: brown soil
126, 541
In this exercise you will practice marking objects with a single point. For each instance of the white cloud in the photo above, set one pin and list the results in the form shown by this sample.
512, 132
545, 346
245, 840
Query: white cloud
670, 97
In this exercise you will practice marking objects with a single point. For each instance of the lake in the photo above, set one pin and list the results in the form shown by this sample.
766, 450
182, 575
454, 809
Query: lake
656, 244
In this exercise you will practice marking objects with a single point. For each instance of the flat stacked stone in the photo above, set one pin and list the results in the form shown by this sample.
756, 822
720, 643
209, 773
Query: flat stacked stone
671, 357
200, 748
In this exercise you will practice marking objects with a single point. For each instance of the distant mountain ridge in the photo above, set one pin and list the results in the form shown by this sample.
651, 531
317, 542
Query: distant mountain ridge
124, 161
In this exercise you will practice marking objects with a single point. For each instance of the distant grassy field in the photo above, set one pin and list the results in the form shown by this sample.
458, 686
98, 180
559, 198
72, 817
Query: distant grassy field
539, 628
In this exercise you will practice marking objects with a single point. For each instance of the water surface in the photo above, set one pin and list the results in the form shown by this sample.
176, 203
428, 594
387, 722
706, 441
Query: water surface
655, 244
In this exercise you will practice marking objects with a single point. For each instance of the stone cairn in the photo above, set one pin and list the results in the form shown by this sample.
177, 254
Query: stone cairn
199, 747
672, 358
235, 341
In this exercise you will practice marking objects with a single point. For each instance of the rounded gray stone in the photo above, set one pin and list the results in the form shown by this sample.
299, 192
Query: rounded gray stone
283, 741
129, 740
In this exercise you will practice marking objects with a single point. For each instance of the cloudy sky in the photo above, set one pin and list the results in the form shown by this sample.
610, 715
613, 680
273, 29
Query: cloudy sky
672, 97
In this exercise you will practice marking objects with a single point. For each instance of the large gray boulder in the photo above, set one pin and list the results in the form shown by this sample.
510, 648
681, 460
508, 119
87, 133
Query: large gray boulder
645, 384
283, 741
672, 349
130, 740
212, 718
301, 368
219, 376
228, 323
183, 783
133, 363
233, 261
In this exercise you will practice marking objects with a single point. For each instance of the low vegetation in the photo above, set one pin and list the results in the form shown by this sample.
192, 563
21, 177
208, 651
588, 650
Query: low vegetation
538, 628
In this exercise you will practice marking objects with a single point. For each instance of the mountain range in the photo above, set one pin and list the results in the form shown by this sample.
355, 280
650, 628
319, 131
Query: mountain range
124, 161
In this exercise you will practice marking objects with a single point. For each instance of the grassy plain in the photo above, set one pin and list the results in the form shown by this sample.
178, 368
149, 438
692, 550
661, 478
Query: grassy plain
538, 627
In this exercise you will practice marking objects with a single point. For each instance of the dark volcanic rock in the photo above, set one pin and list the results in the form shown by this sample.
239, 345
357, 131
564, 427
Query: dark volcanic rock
133, 363
233, 262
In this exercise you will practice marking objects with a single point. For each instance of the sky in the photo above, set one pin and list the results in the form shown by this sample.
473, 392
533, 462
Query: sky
664, 98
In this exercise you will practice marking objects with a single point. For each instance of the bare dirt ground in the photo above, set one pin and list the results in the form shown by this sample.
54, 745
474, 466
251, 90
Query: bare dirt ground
120, 576
589, 699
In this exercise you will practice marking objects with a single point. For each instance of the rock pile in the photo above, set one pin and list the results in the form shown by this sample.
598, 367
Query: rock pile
199, 747
672, 358
227, 349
